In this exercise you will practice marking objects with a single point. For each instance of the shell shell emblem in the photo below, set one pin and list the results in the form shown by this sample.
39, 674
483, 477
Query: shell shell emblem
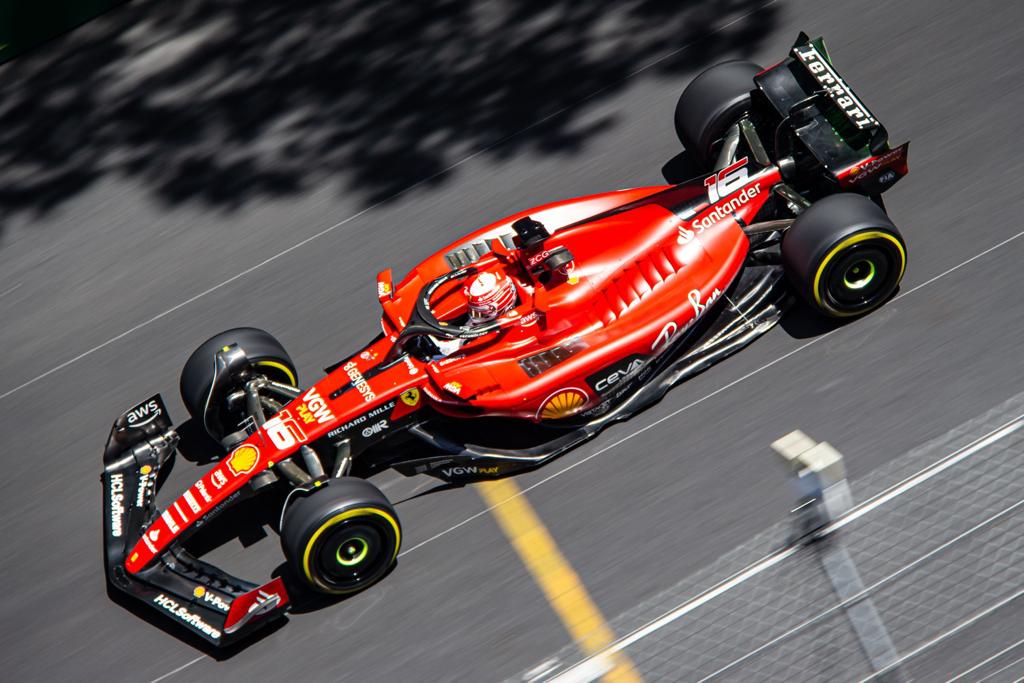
563, 403
243, 460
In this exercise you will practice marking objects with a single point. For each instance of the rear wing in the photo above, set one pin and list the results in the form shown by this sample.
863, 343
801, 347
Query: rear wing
814, 57
824, 119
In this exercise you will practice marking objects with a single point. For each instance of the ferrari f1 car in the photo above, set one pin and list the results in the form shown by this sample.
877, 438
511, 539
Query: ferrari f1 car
619, 296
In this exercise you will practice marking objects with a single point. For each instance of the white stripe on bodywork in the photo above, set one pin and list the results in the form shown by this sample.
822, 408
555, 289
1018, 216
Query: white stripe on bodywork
169, 521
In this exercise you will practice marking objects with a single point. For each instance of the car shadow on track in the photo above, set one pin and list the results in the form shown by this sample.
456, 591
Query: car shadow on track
220, 103
196, 445
803, 322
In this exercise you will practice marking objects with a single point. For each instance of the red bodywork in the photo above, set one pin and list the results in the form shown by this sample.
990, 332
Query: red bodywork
639, 277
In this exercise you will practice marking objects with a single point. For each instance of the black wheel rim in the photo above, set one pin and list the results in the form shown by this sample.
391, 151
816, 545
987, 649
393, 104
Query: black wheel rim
353, 553
862, 276
230, 416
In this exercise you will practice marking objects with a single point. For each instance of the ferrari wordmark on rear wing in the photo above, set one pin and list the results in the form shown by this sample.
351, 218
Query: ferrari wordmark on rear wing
816, 60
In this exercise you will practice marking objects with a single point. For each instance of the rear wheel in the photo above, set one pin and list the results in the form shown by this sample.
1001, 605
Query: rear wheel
710, 105
341, 538
844, 255
266, 356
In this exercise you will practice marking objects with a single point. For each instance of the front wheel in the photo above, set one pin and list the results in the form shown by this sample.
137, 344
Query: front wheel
844, 255
341, 538
265, 357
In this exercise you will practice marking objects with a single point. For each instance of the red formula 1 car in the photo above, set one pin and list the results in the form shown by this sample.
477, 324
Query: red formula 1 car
617, 297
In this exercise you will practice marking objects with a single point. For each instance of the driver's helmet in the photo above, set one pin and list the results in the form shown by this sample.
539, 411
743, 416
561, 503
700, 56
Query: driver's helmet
489, 294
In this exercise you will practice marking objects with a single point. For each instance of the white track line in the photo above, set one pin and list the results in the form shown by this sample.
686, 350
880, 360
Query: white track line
986, 661
902, 571
1001, 670
180, 668
969, 621
398, 194
774, 558
926, 474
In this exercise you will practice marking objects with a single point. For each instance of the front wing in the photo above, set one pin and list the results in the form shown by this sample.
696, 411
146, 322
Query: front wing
206, 601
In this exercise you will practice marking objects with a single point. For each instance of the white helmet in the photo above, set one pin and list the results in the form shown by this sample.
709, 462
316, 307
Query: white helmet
489, 294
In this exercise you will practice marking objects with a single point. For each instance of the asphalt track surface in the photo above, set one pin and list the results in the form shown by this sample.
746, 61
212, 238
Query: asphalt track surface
105, 292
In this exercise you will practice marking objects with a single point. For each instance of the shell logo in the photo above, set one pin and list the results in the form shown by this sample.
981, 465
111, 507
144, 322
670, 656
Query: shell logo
199, 591
563, 403
243, 460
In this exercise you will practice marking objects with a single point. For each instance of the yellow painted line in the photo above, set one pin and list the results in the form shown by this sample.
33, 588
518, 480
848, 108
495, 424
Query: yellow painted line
561, 585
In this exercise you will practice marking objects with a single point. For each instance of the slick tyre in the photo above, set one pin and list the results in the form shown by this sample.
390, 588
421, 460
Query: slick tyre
266, 357
710, 105
341, 538
844, 256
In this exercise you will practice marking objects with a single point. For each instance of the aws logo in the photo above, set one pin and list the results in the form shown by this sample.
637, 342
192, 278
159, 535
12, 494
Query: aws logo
144, 413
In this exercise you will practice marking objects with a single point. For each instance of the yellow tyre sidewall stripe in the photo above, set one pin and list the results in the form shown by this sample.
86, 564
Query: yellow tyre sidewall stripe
337, 519
844, 244
282, 367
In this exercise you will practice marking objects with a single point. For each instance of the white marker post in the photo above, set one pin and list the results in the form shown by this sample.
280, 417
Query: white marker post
824, 495
819, 479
